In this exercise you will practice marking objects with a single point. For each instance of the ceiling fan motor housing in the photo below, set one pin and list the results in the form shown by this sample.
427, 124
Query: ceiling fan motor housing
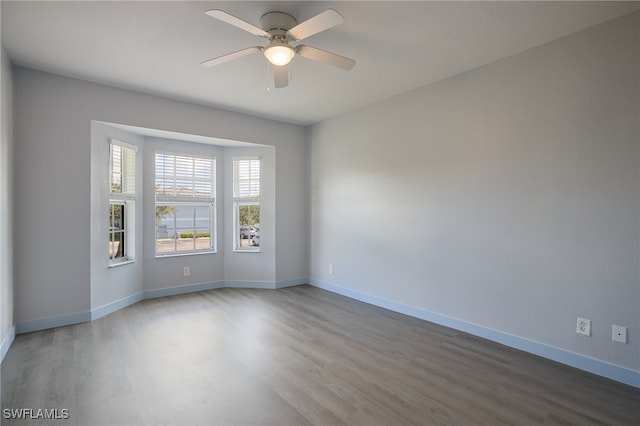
277, 23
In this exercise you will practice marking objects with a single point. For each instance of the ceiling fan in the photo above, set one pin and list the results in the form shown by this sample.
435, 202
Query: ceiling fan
281, 29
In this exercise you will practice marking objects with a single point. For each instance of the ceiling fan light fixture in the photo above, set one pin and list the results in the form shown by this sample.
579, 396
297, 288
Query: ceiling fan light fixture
278, 52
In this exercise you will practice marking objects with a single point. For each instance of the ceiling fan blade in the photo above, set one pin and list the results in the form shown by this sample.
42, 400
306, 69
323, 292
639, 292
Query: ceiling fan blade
231, 56
322, 21
325, 57
237, 22
281, 76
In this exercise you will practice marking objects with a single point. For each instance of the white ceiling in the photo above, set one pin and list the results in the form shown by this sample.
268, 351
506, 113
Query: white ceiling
157, 47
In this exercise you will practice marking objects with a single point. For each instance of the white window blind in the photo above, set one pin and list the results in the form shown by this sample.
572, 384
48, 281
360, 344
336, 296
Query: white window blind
122, 169
186, 178
246, 178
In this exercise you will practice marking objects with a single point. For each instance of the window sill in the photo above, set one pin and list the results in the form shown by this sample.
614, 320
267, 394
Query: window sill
124, 262
246, 251
197, 253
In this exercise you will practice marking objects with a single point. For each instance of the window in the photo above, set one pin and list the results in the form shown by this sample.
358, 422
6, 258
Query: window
185, 204
122, 195
246, 204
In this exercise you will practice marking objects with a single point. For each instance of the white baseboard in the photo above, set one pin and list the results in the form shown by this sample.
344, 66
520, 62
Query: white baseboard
250, 284
173, 291
115, 306
292, 282
52, 322
582, 362
6, 343
62, 320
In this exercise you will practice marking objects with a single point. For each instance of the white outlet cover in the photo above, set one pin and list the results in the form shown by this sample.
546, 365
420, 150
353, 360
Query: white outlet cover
583, 326
619, 333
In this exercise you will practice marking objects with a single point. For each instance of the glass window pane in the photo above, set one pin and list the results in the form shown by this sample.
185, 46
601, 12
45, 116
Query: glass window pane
117, 232
203, 217
183, 228
185, 242
116, 217
165, 245
243, 215
248, 223
203, 239
185, 217
254, 215
165, 229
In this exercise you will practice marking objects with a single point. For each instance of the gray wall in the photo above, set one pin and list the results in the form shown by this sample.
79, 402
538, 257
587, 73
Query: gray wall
253, 267
506, 197
168, 272
111, 284
53, 117
292, 223
6, 191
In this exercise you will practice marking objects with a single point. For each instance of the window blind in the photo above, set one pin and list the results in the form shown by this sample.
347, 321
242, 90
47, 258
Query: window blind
246, 178
122, 169
184, 178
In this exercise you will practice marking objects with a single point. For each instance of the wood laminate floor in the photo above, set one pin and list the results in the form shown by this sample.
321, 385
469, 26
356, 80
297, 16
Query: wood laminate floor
293, 356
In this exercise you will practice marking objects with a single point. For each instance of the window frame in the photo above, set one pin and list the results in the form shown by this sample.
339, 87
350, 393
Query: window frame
194, 229
239, 201
125, 197
190, 201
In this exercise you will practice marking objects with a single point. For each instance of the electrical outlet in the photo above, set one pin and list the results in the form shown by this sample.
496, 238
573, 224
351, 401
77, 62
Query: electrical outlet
619, 333
330, 268
583, 326
187, 271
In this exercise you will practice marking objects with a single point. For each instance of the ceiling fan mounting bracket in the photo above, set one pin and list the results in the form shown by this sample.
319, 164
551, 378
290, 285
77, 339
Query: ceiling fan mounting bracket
277, 23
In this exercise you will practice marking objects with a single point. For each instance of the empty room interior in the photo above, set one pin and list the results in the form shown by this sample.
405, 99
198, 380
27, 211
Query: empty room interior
310, 212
